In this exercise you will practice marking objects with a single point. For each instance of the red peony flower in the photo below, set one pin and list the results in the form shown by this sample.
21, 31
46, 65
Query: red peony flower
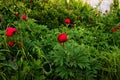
24, 17
118, 28
10, 43
113, 30
67, 21
10, 31
62, 37
16, 14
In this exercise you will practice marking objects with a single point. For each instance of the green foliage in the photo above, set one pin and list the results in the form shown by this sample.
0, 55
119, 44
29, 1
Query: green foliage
73, 61
25, 58
110, 68
90, 53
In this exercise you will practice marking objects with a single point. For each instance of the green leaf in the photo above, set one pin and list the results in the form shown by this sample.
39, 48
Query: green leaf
2, 57
11, 64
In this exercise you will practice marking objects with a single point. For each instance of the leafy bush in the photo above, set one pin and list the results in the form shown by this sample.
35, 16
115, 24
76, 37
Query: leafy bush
33, 52
25, 58
73, 61
110, 61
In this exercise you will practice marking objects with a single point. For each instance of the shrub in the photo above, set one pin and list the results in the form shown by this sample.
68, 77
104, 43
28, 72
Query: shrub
73, 61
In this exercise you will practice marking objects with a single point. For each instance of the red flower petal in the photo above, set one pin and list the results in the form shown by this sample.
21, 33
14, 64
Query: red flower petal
10, 31
24, 17
16, 14
62, 37
118, 28
11, 43
67, 21
113, 30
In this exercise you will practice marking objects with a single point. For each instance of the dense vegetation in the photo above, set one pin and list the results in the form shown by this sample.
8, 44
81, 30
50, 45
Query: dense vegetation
56, 40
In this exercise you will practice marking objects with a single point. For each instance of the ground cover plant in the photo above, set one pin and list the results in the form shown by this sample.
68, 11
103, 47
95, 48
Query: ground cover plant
57, 40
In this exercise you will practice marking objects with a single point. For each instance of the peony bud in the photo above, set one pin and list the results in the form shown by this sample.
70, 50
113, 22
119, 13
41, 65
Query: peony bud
67, 21
62, 37
11, 43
